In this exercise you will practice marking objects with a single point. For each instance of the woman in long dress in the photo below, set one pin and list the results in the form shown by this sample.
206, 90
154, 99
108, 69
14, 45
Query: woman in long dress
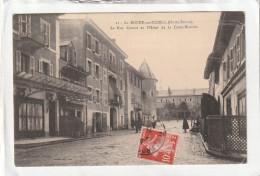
185, 125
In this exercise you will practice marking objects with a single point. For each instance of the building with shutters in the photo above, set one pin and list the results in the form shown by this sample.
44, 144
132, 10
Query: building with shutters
39, 80
225, 68
133, 95
104, 61
223, 123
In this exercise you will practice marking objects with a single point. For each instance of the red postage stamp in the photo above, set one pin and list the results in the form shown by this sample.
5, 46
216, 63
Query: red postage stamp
157, 145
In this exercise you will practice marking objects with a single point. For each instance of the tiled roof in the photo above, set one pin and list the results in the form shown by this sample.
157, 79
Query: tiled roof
182, 92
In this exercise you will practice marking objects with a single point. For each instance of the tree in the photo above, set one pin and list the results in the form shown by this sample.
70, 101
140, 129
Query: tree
183, 108
169, 109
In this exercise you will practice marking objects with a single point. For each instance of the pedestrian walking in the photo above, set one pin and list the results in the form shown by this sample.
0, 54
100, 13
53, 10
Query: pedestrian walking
136, 125
140, 123
153, 122
132, 123
149, 123
185, 125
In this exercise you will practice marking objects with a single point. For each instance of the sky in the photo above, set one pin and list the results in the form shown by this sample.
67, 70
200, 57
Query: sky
176, 55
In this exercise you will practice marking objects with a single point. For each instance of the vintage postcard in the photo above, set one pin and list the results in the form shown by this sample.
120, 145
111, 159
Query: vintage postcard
86, 84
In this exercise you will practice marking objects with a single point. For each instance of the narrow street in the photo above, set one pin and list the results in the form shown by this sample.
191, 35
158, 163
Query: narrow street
119, 148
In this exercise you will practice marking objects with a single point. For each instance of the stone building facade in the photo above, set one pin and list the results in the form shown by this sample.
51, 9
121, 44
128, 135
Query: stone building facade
38, 85
101, 57
192, 97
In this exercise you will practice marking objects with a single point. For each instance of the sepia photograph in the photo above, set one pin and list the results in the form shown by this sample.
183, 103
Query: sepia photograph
129, 88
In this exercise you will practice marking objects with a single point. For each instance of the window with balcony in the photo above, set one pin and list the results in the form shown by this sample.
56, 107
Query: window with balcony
45, 32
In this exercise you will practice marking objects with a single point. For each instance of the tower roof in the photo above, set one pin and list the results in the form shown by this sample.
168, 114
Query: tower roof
146, 71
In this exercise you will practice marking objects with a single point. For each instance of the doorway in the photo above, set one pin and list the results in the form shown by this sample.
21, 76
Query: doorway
113, 119
52, 117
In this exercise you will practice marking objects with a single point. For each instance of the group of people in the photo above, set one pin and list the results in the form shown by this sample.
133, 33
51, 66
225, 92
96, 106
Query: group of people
138, 123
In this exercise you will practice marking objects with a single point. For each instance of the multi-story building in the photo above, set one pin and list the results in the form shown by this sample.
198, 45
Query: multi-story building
37, 84
148, 92
192, 97
225, 66
101, 57
133, 96
225, 107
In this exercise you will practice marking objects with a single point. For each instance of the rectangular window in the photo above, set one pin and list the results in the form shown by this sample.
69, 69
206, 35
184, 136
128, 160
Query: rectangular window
243, 45
104, 52
104, 76
132, 98
105, 97
97, 96
97, 47
25, 63
121, 84
45, 67
45, 32
242, 103
110, 57
24, 24
97, 72
89, 67
90, 97
30, 116
88, 41
228, 66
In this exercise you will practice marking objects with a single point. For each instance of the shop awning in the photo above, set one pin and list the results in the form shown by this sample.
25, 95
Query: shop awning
50, 83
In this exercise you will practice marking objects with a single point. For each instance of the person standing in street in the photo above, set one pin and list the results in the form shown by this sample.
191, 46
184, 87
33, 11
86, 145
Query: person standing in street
153, 122
136, 125
185, 124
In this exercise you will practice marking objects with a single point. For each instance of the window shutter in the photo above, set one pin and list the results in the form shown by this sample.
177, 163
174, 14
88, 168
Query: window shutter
123, 85
92, 43
51, 70
32, 65
100, 97
40, 66
100, 73
93, 70
18, 60
224, 71
19, 24
100, 49
29, 25
47, 35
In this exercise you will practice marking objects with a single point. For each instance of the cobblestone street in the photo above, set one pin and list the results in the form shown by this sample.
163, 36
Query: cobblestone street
119, 148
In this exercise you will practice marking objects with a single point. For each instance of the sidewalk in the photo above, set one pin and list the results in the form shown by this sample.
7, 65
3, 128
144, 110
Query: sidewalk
30, 143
